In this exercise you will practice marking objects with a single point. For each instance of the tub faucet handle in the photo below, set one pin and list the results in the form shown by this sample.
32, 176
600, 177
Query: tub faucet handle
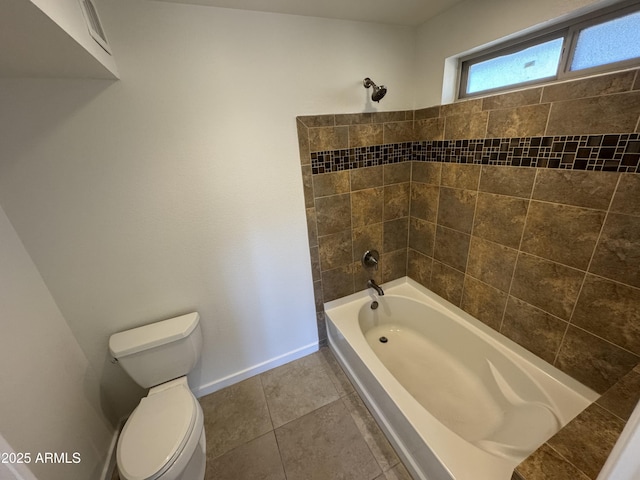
370, 259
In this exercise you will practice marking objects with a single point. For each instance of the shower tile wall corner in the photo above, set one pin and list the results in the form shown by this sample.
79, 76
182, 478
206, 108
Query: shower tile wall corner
522, 208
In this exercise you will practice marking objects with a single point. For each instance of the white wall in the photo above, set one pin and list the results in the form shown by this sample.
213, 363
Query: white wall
472, 24
50, 399
178, 188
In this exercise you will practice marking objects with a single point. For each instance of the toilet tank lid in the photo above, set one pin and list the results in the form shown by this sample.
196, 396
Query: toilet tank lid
153, 335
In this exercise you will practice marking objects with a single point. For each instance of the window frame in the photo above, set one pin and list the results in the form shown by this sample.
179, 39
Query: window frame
569, 31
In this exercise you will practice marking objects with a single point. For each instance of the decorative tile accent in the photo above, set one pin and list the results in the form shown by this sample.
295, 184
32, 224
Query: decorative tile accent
611, 153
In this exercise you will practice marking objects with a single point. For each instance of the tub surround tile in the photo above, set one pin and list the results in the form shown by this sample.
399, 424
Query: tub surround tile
395, 234
466, 126
430, 129
466, 107
547, 285
424, 201
399, 472
367, 206
530, 96
331, 184
234, 416
534, 329
582, 189
399, 132
592, 360
396, 201
456, 208
547, 464
307, 186
524, 121
303, 143
622, 398
419, 267
492, 263
365, 135
395, 116
397, 173
561, 233
512, 181
335, 250
460, 176
451, 247
311, 121
337, 283
626, 199
328, 138
312, 227
483, 302
589, 87
394, 265
366, 238
426, 172
424, 113
617, 255
422, 236
610, 310
353, 118
447, 282
588, 439
500, 219
333, 214
603, 114
326, 444
369, 177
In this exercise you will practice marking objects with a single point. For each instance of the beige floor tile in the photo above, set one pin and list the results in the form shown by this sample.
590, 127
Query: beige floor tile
380, 447
297, 388
234, 416
325, 444
335, 372
258, 459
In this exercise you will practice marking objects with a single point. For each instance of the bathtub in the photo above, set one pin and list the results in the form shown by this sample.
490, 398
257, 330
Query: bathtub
457, 399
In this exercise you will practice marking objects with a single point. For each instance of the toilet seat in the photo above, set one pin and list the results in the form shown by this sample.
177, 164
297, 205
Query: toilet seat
156, 433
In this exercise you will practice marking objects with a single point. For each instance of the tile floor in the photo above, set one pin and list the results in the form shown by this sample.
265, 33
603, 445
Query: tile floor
300, 421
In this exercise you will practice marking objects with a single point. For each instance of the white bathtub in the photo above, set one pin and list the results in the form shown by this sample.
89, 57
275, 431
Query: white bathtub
457, 399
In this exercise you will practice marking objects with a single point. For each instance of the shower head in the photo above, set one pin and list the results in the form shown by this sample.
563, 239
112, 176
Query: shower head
378, 91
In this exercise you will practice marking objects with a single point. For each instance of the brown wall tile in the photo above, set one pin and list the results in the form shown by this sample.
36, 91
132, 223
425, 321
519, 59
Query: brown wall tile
396, 201
426, 172
573, 187
588, 439
547, 285
483, 302
429, 129
447, 282
467, 107
337, 283
397, 173
353, 118
335, 250
419, 267
367, 206
466, 126
303, 143
333, 214
530, 96
394, 265
500, 219
424, 201
456, 208
330, 184
514, 181
397, 132
562, 233
317, 120
534, 329
547, 464
365, 135
492, 263
593, 361
611, 311
460, 175
627, 196
429, 112
366, 238
527, 121
589, 87
395, 234
312, 227
451, 247
622, 398
307, 186
396, 116
617, 255
328, 138
366, 177
422, 236
606, 114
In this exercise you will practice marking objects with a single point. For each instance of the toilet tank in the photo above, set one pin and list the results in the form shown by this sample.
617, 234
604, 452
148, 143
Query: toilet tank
159, 352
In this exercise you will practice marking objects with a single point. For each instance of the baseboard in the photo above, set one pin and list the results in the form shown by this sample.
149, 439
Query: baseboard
216, 385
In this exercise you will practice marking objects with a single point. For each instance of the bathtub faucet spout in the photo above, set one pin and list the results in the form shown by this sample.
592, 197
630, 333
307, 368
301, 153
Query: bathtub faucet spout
372, 284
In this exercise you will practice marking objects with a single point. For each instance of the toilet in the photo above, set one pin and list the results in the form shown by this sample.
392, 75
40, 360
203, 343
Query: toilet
164, 438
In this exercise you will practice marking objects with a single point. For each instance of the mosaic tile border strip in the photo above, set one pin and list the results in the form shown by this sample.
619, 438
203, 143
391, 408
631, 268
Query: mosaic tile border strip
610, 153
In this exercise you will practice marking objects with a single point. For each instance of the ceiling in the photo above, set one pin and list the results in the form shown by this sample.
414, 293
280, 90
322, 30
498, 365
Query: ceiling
394, 12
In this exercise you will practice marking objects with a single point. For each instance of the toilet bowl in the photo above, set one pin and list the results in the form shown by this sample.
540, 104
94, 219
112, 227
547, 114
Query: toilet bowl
164, 437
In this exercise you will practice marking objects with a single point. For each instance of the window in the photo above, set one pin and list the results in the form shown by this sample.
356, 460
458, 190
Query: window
601, 42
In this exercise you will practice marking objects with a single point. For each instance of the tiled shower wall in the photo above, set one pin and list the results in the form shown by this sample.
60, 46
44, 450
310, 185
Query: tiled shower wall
523, 209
